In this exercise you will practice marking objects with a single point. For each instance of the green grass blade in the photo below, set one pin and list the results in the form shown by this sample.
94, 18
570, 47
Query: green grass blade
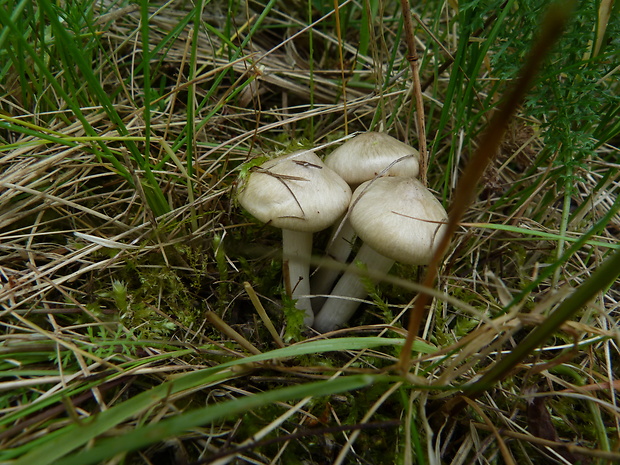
155, 196
43, 136
549, 270
17, 12
59, 445
545, 235
603, 277
146, 73
42, 68
216, 84
141, 437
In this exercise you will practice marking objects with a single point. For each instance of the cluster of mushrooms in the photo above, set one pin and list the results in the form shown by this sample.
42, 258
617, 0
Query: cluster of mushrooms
367, 188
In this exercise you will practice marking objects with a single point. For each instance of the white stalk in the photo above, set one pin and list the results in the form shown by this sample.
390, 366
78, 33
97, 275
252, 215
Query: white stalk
345, 297
339, 250
297, 249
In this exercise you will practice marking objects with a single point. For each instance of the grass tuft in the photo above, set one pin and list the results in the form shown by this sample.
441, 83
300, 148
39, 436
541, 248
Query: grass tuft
142, 312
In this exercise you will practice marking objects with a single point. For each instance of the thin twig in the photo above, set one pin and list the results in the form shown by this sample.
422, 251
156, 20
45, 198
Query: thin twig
224, 328
417, 89
552, 28
341, 58
263, 314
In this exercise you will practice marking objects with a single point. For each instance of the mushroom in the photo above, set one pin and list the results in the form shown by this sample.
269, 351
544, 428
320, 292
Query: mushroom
399, 220
300, 195
372, 154
358, 160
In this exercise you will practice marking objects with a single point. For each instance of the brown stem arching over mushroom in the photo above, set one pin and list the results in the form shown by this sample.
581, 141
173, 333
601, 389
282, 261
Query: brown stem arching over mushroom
300, 195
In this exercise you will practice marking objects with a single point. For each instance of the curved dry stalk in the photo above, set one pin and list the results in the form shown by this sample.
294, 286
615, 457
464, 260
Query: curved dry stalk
552, 27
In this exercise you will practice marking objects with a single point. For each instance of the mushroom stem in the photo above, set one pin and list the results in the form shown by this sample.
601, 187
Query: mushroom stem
297, 248
338, 250
344, 299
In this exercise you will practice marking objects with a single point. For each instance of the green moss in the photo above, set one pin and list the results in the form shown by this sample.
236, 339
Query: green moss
294, 320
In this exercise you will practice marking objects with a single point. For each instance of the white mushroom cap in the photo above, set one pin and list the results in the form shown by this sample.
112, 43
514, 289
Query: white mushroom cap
399, 218
295, 191
366, 155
